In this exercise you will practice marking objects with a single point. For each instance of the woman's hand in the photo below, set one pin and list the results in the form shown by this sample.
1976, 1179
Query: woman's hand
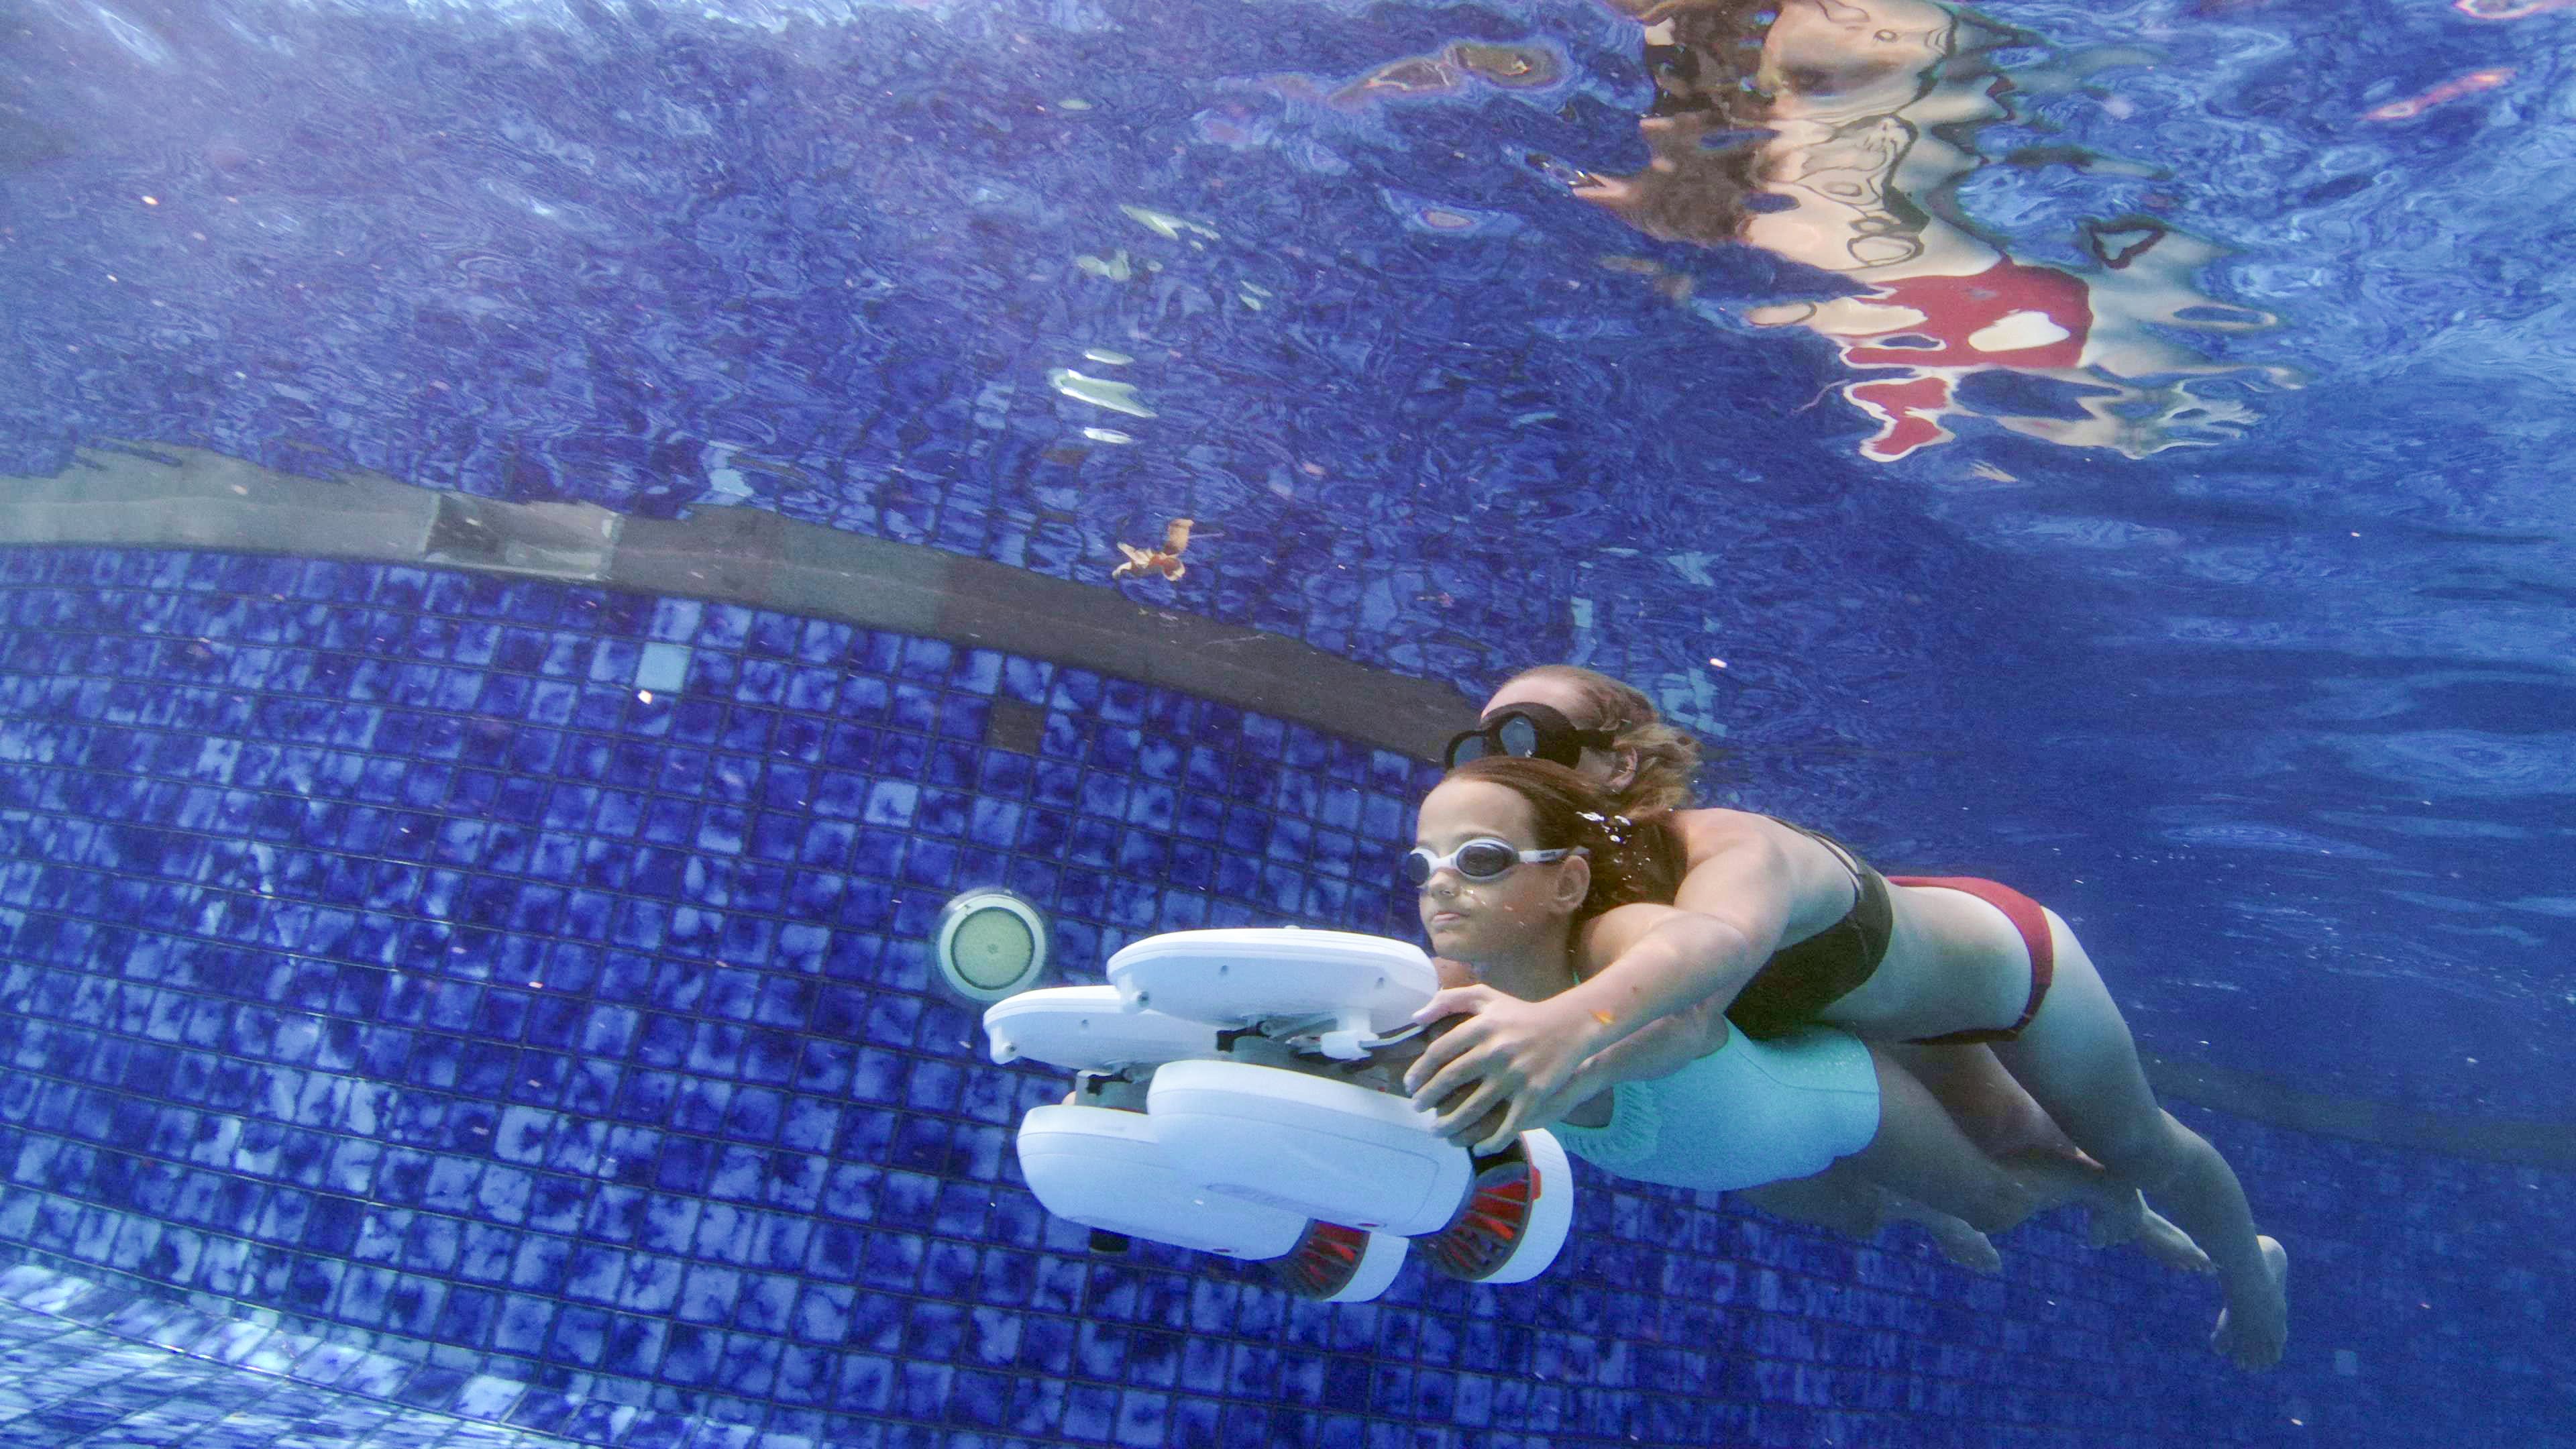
1508, 1053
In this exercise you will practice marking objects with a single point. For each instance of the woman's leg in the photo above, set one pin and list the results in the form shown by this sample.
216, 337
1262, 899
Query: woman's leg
1995, 1111
1920, 1153
2077, 1059
1958, 1242
1836, 1199
2001, 1118
1841, 1200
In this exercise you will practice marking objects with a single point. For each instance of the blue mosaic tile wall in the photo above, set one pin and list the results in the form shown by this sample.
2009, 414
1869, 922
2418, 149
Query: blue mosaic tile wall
64, 1383
526, 983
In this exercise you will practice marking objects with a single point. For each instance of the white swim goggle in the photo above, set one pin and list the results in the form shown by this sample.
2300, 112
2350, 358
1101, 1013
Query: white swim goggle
1484, 858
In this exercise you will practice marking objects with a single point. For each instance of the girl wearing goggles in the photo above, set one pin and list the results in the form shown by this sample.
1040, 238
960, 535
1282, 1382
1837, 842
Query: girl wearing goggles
1790, 930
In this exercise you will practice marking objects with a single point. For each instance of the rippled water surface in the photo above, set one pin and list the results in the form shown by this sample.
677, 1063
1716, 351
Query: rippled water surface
2237, 626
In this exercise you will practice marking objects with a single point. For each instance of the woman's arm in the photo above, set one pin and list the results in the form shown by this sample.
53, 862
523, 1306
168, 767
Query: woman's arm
1654, 963
1658, 1049
1640, 965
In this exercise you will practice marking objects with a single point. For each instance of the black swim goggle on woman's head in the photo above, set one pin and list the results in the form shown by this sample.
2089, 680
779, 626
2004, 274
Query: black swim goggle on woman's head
1482, 859
1529, 731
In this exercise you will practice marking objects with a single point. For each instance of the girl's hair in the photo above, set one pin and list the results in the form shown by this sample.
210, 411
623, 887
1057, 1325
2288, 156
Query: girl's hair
1667, 758
1632, 860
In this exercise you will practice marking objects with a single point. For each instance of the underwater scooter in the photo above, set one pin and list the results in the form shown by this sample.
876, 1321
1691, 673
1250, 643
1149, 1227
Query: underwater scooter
1227, 1098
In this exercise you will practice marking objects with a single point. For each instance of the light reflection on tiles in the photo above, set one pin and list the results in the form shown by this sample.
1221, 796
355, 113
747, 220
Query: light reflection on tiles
64, 1384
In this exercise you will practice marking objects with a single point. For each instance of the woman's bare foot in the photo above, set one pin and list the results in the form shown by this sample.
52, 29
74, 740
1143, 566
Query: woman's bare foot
2252, 1332
2121, 1215
2171, 1246
2117, 1215
1958, 1242
1962, 1244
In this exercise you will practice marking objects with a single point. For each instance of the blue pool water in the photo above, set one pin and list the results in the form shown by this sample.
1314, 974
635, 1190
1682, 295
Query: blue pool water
378, 966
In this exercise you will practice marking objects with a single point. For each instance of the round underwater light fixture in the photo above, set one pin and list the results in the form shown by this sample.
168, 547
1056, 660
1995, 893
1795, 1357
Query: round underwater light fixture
991, 944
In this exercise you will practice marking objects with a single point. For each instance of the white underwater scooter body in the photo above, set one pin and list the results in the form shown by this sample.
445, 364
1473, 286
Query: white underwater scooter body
1327, 1149
1098, 1159
1091, 1029
1343, 989
1214, 1107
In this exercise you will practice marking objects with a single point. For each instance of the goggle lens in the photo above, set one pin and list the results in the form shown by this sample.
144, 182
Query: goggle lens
1477, 860
1528, 732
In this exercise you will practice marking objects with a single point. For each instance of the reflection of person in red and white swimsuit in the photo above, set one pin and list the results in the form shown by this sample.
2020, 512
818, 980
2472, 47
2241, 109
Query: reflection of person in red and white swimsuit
2008, 315
1809, 132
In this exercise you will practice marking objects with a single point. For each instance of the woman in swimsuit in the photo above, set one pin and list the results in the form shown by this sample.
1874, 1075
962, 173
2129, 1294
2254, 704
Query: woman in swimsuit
1523, 881
1781, 927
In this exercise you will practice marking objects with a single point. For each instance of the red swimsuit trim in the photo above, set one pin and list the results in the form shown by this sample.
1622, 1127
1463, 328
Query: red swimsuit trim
2028, 919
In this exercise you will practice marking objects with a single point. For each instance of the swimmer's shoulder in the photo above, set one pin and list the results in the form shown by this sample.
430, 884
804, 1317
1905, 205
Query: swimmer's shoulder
1705, 832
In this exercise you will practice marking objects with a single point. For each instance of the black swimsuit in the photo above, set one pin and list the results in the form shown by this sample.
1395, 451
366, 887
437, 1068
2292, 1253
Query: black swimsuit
1800, 980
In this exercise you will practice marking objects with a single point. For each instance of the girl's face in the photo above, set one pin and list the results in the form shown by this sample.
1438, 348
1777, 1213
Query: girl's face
1525, 906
